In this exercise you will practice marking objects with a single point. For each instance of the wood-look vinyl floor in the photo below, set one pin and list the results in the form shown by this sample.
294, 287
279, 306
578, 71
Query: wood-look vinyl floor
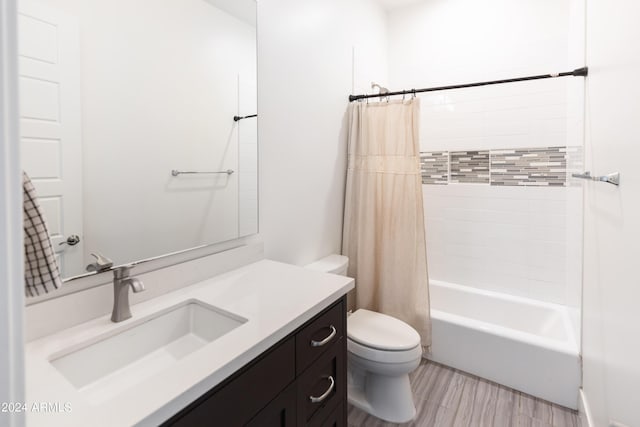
447, 397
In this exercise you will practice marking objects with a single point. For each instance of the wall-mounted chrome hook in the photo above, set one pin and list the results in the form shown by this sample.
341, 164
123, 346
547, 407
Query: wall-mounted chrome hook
612, 178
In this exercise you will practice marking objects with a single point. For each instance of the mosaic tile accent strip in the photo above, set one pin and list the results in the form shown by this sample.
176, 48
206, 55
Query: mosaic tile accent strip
575, 164
470, 167
435, 167
545, 166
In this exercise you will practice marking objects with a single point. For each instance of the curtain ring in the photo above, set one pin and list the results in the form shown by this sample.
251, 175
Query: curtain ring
414, 94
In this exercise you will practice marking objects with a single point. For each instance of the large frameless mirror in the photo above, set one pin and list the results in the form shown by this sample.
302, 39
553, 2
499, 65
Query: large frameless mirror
138, 124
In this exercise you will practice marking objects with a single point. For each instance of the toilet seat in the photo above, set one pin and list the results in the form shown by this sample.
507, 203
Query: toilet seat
382, 332
384, 356
381, 338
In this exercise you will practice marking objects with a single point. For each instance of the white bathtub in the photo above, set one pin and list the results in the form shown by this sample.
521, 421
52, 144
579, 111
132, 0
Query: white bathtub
521, 343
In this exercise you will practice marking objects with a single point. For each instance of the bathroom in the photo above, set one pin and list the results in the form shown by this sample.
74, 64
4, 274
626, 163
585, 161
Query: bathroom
194, 164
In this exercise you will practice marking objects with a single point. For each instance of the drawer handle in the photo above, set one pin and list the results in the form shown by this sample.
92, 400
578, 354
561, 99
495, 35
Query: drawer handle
326, 394
315, 343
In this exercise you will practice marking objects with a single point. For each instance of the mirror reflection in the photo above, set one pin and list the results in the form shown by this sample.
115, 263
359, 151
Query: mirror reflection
127, 124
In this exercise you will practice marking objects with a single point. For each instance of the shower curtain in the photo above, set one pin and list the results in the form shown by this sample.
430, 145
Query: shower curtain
384, 234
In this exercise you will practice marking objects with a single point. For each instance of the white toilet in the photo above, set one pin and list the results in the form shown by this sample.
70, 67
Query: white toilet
382, 351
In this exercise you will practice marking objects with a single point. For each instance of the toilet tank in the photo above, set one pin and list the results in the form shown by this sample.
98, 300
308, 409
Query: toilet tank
335, 264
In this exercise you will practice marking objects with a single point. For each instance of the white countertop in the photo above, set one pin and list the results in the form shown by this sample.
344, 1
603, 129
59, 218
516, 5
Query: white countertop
276, 299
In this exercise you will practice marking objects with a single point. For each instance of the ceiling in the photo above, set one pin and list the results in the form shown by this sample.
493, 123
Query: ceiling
245, 10
395, 4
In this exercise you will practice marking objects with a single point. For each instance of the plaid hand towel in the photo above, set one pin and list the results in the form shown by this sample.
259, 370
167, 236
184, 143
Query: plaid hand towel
41, 273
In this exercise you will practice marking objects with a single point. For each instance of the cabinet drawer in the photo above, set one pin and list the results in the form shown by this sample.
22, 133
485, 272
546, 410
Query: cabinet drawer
322, 387
318, 336
241, 397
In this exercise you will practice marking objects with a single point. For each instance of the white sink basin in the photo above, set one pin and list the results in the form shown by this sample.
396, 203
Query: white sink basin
106, 365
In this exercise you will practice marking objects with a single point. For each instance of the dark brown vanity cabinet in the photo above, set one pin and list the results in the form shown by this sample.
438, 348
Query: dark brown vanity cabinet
301, 381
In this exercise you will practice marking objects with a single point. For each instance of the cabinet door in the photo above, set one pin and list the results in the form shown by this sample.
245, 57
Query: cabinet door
245, 394
281, 412
337, 418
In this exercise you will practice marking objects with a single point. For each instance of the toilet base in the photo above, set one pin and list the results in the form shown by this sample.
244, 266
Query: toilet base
386, 397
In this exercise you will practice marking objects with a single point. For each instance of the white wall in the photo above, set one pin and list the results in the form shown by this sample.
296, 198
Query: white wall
161, 83
11, 245
517, 240
611, 318
305, 77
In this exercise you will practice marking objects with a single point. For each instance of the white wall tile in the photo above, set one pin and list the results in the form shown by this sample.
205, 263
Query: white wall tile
506, 239
522, 241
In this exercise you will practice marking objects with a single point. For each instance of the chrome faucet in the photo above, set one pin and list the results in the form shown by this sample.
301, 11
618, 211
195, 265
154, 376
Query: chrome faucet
121, 284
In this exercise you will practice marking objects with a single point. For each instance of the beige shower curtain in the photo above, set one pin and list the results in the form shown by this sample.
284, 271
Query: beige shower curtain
384, 235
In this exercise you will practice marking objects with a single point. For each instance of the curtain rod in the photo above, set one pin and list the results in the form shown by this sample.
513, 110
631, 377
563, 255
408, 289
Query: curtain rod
238, 118
584, 71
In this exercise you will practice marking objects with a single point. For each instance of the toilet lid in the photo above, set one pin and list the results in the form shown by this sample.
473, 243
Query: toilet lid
380, 331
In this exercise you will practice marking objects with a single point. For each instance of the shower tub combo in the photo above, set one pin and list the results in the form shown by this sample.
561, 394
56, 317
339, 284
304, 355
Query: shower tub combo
521, 343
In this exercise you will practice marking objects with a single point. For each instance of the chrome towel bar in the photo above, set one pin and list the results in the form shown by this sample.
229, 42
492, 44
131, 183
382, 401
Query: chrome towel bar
612, 178
176, 172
